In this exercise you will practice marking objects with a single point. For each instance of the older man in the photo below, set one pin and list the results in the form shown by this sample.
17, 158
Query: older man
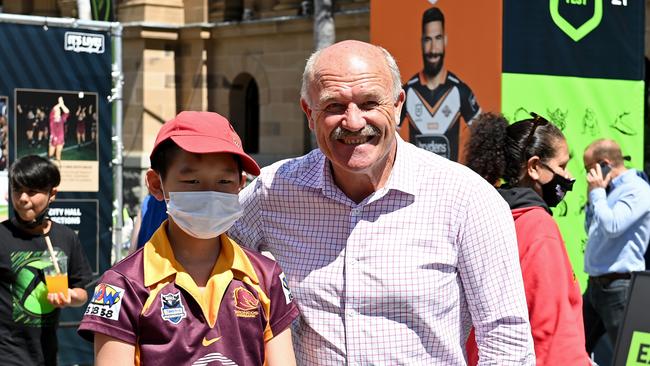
618, 229
392, 252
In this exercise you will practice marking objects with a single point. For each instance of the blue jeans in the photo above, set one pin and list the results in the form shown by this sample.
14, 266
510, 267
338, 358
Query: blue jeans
603, 308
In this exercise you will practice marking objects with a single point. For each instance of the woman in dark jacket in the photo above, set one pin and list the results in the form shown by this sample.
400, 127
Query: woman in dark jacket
528, 161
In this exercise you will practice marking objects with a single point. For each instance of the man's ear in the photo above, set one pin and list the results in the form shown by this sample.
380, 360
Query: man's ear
399, 104
154, 184
308, 112
532, 167
53, 193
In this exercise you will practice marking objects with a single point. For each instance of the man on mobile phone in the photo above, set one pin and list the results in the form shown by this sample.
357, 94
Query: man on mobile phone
618, 228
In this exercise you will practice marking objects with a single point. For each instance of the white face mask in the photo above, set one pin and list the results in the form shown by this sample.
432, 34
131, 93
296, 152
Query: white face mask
204, 214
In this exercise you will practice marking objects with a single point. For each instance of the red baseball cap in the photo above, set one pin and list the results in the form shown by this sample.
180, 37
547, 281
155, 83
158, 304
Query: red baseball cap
203, 133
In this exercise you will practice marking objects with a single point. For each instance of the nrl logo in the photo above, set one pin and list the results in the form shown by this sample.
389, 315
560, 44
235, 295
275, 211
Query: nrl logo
84, 42
576, 34
172, 308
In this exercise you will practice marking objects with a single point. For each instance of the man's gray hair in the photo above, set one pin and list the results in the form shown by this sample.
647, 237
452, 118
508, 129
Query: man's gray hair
308, 74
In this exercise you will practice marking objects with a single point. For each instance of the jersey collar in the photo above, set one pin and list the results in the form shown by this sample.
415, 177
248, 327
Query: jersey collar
160, 263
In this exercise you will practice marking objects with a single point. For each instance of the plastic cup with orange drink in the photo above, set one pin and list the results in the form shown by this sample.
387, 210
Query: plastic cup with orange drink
56, 276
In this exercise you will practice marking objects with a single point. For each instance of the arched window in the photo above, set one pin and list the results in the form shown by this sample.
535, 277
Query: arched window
245, 111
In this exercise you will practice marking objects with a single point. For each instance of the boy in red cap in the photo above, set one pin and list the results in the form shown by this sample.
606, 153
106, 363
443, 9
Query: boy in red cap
191, 295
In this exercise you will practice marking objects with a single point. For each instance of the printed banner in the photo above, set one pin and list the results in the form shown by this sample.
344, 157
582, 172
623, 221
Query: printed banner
579, 64
449, 55
53, 94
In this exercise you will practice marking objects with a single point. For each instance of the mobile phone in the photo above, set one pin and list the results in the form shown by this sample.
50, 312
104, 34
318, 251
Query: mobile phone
604, 168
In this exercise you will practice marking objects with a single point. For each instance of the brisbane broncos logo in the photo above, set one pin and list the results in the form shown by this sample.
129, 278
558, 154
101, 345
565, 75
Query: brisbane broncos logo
246, 303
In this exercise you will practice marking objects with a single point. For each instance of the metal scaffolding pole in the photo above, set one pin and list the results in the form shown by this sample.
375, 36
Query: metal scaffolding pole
116, 97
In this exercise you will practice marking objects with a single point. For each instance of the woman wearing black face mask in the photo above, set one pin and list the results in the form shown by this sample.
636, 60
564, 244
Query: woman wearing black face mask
528, 160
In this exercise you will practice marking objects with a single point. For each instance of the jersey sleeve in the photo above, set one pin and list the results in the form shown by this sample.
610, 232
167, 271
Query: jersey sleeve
469, 107
79, 273
114, 309
283, 309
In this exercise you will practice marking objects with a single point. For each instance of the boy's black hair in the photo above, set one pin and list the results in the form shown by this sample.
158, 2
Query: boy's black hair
166, 152
163, 156
34, 172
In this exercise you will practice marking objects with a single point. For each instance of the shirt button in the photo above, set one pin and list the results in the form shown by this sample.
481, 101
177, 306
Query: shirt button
350, 313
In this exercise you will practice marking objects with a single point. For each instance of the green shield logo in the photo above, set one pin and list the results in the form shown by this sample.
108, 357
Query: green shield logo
576, 34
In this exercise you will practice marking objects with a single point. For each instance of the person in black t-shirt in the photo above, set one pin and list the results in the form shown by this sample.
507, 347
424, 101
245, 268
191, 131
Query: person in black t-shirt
29, 315
439, 106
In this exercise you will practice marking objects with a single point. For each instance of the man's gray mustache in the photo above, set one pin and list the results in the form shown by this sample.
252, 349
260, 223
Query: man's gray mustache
366, 131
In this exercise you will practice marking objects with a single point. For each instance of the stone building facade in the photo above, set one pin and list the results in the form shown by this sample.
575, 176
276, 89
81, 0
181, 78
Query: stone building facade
240, 58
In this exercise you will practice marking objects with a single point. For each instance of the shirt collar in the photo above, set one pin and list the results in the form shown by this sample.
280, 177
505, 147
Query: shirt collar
401, 176
623, 178
160, 263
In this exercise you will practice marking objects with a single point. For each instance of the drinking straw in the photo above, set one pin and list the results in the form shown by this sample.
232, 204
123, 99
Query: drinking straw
51, 250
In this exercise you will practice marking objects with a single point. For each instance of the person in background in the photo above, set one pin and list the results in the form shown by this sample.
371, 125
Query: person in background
617, 222
528, 159
29, 315
391, 254
152, 214
58, 117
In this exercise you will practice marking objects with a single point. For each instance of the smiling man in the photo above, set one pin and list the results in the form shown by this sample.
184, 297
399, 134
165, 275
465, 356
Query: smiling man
391, 251
439, 106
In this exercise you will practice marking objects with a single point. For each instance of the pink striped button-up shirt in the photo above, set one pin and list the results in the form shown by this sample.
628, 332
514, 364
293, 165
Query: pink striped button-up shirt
399, 278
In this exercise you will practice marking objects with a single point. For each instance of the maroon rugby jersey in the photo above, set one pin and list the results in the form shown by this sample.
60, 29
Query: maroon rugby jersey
150, 301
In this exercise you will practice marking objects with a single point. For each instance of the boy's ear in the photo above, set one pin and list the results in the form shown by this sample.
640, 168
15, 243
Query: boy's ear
243, 180
152, 180
53, 193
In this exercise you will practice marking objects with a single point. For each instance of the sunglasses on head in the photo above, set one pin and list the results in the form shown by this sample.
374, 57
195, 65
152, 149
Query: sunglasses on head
537, 121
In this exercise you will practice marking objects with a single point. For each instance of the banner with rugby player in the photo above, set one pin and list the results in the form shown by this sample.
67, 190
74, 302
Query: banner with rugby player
579, 63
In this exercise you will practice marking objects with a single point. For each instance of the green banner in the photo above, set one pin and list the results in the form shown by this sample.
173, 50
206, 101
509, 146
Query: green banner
585, 109
639, 354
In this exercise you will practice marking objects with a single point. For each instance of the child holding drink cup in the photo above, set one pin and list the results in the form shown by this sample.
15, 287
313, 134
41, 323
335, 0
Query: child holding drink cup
30, 246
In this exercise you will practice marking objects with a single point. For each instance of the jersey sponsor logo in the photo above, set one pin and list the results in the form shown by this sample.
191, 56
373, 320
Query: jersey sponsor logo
246, 304
106, 302
172, 308
215, 357
288, 296
206, 342
437, 144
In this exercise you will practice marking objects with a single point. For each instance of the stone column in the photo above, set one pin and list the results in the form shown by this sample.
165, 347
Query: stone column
192, 69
